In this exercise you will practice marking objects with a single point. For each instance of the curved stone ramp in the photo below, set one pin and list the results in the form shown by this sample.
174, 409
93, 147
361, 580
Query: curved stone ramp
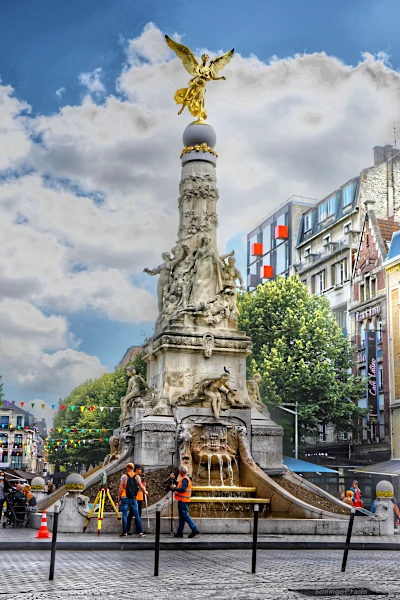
311, 487
90, 477
283, 504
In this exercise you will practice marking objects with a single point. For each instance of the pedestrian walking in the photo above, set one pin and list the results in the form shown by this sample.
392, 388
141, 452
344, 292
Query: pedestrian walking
139, 500
128, 489
356, 495
183, 493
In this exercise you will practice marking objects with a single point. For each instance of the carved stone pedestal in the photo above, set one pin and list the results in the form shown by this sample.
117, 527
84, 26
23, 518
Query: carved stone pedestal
266, 441
154, 439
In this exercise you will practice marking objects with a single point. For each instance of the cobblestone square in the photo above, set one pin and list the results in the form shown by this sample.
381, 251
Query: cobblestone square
223, 574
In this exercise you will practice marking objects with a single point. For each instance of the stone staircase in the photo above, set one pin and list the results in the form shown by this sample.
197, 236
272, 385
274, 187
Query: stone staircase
226, 502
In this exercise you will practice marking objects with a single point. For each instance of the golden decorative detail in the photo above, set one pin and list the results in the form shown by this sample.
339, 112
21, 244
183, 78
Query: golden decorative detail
384, 494
193, 95
74, 487
37, 488
393, 269
198, 148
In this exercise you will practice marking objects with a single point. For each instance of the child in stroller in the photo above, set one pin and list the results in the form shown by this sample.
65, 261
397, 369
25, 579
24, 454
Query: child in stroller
16, 514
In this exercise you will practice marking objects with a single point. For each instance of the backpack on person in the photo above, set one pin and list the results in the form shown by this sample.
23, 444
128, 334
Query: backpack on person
132, 487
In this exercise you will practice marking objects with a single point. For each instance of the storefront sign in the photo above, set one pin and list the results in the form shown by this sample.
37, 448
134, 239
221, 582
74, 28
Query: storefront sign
369, 312
372, 373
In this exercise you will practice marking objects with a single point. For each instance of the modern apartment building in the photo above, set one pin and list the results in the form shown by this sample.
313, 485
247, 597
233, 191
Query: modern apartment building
271, 245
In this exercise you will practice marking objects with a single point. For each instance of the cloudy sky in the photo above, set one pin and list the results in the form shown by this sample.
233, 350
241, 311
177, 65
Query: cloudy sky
90, 143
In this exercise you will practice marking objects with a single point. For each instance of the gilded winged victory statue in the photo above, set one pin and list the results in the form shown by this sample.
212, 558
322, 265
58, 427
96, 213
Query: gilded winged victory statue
193, 95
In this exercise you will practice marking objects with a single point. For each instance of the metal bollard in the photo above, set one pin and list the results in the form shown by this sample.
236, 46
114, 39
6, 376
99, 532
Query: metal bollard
255, 533
350, 529
157, 543
54, 541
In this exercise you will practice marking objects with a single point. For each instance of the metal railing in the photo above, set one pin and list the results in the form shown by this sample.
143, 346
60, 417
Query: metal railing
329, 250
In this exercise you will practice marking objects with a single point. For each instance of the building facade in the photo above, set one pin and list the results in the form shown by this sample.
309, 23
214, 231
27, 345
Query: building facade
392, 267
369, 327
21, 442
271, 245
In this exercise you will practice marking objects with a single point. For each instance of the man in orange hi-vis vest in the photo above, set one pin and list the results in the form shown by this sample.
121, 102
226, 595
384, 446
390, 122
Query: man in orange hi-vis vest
183, 493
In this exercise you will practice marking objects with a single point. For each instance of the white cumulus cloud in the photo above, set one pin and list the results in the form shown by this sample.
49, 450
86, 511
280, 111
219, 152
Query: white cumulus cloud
88, 196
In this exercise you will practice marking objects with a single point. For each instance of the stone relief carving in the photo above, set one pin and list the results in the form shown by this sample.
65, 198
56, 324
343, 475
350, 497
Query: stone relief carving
211, 391
208, 344
263, 430
253, 391
381, 511
151, 426
180, 340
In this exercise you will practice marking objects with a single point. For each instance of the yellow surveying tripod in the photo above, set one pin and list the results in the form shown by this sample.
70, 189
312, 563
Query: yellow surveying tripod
100, 499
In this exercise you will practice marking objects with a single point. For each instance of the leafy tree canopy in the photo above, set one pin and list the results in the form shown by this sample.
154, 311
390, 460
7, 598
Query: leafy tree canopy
301, 354
105, 391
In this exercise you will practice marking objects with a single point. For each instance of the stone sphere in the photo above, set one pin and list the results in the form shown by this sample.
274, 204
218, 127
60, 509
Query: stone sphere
384, 489
75, 482
199, 133
37, 484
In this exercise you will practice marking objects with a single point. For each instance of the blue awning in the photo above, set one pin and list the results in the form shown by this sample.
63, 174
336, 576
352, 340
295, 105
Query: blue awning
302, 466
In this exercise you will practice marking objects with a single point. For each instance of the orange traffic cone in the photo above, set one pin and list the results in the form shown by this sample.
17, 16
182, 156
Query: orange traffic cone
43, 532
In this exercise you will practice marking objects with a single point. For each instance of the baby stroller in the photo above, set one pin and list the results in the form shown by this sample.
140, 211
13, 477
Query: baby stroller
16, 514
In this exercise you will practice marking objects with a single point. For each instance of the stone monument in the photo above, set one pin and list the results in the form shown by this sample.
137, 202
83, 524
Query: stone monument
197, 356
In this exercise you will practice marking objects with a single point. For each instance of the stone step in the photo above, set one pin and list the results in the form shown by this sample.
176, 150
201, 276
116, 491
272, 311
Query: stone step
228, 500
222, 488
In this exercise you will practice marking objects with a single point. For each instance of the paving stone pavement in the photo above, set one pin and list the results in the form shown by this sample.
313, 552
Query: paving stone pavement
222, 574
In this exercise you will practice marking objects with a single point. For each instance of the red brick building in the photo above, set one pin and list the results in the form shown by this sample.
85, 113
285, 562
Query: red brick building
368, 327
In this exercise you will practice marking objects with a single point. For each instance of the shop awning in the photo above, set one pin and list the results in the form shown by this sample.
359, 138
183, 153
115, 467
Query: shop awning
388, 467
302, 466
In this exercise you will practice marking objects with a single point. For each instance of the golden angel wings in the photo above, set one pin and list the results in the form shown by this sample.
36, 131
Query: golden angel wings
193, 95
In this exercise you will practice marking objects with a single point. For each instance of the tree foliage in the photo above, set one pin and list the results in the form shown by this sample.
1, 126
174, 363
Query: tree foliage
302, 355
105, 391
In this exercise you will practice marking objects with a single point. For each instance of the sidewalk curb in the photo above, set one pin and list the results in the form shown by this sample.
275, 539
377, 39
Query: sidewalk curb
200, 545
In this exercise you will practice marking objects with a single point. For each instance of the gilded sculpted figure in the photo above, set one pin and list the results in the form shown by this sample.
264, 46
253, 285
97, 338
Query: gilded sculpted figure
193, 95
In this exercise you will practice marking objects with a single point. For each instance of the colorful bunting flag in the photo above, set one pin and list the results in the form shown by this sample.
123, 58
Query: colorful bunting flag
22, 403
72, 407
43, 405
63, 407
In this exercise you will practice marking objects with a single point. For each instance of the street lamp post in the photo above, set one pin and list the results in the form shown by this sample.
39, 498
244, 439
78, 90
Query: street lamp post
296, 424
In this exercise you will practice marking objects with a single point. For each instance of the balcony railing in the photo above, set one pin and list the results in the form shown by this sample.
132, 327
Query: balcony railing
329, 250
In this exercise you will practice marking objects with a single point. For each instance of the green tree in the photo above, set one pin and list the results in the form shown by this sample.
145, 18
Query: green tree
140, 365
74, 447
302, 355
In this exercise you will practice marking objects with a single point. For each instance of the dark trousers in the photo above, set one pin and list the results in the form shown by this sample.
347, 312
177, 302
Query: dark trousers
130, 516
131, 503
184, 517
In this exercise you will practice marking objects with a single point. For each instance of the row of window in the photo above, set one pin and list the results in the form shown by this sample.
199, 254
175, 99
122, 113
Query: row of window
368, 288
278, 258
326, 240
266, 236
328, 208
338, 275
5, 420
